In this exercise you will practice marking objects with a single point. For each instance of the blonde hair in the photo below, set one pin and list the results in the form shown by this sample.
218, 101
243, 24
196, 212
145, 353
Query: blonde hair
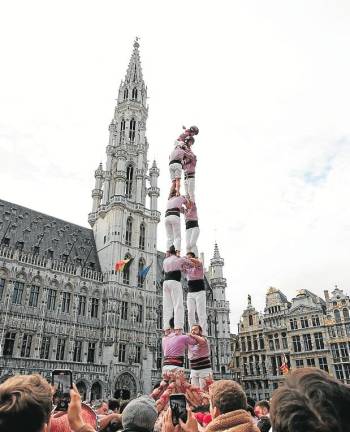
25, 403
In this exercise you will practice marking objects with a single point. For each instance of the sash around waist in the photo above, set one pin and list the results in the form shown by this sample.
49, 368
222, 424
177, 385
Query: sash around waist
196, 285
173, 361
173, 275
191, 224
175, 161
200, 363
172, 211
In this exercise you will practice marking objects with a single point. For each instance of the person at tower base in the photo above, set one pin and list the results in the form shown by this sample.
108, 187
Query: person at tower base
174, 346
196, 296
172, 220
192, 229
199, 356
310, 400
172, 288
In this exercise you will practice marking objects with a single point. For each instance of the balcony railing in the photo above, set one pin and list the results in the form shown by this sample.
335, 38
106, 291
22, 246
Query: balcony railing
39, 365
43, 262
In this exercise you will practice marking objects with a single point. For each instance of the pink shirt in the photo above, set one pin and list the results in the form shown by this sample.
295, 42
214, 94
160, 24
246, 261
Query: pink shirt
194, 273
179, 154
175, 345
189, 165
176, 202
191, 214
173, 263
198, 351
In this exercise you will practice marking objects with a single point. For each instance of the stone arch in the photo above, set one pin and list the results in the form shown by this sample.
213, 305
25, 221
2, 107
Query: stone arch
82, 388
125, 386
4, 272
96, 391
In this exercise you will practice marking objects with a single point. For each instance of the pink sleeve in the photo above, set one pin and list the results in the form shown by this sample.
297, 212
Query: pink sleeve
191, 341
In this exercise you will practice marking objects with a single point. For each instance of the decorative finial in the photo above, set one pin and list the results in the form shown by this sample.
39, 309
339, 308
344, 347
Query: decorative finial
136, 43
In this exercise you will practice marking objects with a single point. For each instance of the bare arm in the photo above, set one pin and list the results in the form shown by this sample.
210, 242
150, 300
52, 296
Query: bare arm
199, 339
104, 421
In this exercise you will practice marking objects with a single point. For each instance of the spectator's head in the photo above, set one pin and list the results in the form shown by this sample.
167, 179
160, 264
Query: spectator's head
190, 255
101, 408
226, 396
123, 405
251, 411
262, 408
310, 400
113, 404
140, 414
172, 250
196, 330
25, 404
251, 401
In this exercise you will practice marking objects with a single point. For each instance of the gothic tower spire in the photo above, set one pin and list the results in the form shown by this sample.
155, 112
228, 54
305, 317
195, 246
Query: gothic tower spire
122, 220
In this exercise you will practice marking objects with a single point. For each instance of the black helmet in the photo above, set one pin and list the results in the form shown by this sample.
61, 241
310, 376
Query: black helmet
189, 139
194, 130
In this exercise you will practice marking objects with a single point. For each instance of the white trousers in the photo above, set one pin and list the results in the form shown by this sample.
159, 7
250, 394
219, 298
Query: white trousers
169, 368
173, 303
192, 235
198, 377
173, 232
197, 302
175, 170
190, 187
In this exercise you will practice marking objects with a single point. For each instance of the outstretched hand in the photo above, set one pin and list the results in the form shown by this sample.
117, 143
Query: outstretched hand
74, 410
191, 424
168, 425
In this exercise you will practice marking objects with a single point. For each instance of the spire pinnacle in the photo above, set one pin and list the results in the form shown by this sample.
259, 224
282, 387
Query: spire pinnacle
134, 72
216, 251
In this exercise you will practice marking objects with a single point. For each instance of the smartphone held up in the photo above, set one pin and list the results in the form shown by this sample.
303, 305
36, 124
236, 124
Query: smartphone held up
62, 382
178, 408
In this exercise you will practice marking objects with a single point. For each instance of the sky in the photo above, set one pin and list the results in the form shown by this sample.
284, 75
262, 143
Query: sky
266, 82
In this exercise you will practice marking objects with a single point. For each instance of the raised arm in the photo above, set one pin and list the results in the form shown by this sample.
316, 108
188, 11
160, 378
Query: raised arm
199, 339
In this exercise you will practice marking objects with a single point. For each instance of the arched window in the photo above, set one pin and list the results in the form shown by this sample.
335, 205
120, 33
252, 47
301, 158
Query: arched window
126, 93
337, 315
132, 130
128, 232
140, 277
346, 314
142, 237
134, 94
122, 130
126, 271
129, 179
250, 320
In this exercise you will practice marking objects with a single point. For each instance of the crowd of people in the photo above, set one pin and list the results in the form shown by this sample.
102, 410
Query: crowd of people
309, 400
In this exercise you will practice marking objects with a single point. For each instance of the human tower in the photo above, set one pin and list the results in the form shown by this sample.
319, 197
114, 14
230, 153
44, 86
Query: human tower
175, 343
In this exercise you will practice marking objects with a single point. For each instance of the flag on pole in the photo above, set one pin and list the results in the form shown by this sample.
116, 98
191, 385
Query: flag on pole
143, 272
123, 265
284, 366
